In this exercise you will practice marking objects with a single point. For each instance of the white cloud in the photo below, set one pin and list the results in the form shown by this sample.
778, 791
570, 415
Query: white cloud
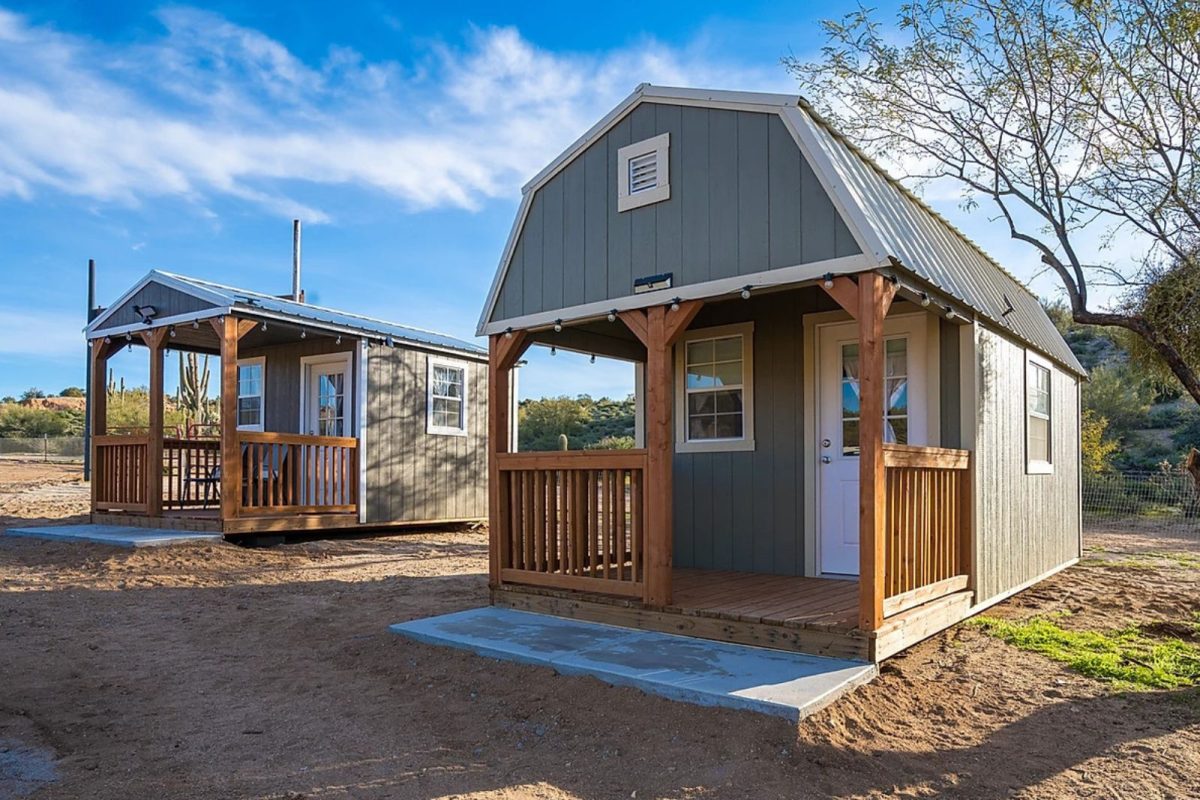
211, 108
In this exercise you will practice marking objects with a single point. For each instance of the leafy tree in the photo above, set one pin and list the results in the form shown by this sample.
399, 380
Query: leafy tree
1098, 450
613, 443
7, 399
72, 391
1117, 396
32, 393
1068, 117
586, 422
18, 420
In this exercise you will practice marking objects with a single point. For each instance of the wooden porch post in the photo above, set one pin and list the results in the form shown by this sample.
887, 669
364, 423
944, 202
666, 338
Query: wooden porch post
503, 352
231, 455
98, 393
154, 447
659, 328
874, 299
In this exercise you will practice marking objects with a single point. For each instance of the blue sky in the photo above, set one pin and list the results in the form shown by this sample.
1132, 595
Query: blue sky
186, 138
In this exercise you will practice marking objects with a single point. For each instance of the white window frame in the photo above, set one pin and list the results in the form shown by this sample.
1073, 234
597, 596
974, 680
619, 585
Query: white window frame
261, 362
659, 145
1037, 466
445, 430
746, 441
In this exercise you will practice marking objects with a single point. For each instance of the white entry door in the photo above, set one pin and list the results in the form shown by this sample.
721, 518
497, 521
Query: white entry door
327, 400
837, 424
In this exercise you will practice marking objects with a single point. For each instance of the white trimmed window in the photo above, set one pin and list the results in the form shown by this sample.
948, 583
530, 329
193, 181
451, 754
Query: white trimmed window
714, 389
643, 172
447, 408
251, 383
1037, 414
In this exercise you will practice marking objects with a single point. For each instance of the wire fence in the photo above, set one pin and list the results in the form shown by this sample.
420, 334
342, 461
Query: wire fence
42, 448
1154, 501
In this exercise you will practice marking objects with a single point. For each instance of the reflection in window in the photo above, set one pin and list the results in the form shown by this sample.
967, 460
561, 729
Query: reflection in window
895, 427
714, 386
250, 395
1038, 379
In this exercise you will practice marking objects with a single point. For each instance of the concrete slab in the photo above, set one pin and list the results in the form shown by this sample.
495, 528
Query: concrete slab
117, 535
789, 685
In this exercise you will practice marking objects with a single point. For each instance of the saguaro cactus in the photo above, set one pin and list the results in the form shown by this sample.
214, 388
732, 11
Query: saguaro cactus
193, 387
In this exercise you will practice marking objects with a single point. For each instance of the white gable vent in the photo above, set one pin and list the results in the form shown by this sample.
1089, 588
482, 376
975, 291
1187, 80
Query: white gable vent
643, 172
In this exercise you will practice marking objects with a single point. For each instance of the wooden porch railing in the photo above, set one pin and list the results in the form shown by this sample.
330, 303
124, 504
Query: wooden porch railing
119, 477
191, 473
284, 473
573, 520
927, 543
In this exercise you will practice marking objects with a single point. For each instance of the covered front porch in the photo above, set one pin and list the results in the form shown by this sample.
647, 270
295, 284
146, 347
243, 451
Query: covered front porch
238, 475
593, 534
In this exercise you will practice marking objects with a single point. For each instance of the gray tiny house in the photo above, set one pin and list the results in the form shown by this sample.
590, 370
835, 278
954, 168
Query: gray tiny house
328, 419
858, 427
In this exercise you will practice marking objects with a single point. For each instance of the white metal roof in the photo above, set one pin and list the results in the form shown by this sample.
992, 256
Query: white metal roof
895, 228
229, 299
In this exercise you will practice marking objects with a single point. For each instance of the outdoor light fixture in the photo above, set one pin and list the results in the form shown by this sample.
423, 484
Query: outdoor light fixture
338, 340
508, 332
949, 312
746, 292
391, 342
108, 340
558, 326
828, 280
675, 304
303, 334
171, 331
129, 337
264, 326
924, 298
195, 323
612, 315
147, 313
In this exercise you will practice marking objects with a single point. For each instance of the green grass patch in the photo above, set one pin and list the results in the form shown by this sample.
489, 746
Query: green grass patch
1127, 658
1144, 561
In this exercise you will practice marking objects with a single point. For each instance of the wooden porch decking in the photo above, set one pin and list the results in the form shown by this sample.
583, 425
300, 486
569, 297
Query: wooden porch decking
807, 615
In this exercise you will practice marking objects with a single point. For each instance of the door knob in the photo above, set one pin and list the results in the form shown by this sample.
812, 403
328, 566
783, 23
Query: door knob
825, 459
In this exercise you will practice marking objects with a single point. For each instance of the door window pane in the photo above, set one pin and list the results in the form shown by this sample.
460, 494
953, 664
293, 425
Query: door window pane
895, 401
714, 375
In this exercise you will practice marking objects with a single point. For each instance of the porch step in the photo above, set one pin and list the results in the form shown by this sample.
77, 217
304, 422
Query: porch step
789, 685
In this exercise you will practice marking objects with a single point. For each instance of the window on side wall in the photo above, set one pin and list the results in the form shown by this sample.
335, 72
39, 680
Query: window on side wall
714, 389
251, 383
447, 406
1038, 405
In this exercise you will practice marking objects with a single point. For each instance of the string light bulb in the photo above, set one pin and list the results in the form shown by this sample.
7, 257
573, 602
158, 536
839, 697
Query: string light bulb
264, 326
508, 332
171, 331
558, 326
612, 315
303, 334
593, 359
553, 350
391, 342
828, 280
746, 292
675, 304
338, 340
195, 324
925, 299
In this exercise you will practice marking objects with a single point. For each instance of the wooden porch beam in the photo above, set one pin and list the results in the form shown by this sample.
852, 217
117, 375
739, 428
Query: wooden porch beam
659, 328
503, 353
845, 292
98, 392
228, 329
244, 326
874, 298
154, 340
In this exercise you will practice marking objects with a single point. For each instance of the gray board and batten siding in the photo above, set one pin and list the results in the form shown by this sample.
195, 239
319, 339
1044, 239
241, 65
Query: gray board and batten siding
1026, 524
167, 302
413, 475
743, 201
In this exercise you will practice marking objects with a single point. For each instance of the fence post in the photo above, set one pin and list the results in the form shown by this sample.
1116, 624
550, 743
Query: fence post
45, 448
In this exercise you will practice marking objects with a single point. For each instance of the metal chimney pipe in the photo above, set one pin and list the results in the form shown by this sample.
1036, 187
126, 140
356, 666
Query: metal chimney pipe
296, 260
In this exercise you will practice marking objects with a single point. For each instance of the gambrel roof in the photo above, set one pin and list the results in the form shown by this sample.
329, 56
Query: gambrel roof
212, 299
895, 230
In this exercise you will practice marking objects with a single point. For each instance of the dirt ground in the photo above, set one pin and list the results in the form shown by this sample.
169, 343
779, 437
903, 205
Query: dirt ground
213, 671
